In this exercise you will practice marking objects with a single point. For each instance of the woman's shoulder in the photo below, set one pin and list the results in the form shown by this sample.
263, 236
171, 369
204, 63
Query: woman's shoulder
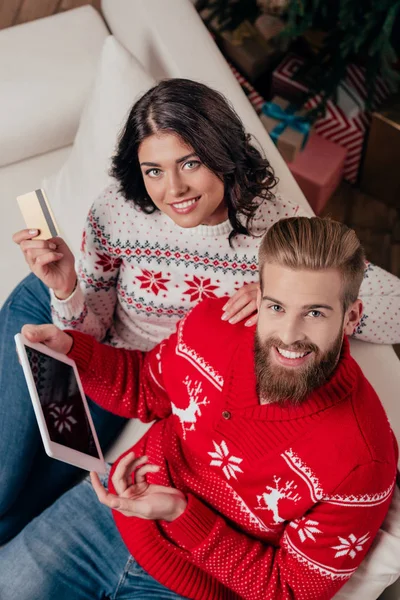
109, 197
271, 211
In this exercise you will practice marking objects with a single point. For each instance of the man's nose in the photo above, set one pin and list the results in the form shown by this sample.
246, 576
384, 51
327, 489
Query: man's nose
290, 332
177, 186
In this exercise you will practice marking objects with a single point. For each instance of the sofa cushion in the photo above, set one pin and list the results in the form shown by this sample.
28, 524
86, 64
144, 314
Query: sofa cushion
46, 73
119, 81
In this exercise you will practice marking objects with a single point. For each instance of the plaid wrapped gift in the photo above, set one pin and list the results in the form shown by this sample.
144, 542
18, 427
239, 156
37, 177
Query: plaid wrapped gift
345, 123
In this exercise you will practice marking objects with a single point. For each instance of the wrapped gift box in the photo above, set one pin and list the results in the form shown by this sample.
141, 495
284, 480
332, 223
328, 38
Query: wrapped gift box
247, 48
288, 129
345, 123
318, 170
381, 174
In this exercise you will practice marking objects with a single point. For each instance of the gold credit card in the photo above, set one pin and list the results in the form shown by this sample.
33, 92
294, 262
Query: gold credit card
35, 209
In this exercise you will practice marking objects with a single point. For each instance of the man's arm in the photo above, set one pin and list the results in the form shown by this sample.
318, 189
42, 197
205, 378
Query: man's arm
128, 383
316, 555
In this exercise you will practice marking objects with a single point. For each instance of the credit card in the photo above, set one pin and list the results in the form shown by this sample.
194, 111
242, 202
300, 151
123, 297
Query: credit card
35, 209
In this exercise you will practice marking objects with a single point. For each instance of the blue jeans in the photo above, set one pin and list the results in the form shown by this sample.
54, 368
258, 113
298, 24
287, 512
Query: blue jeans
30, 480
73, 551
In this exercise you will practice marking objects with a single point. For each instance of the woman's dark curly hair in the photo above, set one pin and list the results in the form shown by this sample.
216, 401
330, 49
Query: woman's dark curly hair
204, 120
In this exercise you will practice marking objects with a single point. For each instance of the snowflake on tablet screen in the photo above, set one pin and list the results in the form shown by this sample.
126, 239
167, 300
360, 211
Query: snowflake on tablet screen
62, 416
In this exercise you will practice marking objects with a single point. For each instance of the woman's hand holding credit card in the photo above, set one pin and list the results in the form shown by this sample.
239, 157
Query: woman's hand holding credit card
47, 255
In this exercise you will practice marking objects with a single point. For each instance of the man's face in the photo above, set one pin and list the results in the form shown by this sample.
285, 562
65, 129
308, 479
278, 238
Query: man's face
299, 331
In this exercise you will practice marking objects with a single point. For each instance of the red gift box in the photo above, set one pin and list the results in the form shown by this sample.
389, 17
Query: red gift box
318, 170
339, 125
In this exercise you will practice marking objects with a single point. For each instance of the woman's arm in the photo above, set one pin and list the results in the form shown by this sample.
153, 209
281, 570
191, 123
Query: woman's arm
90, 307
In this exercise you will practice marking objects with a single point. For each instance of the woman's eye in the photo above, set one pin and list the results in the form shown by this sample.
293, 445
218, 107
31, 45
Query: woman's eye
153, 172
191, 164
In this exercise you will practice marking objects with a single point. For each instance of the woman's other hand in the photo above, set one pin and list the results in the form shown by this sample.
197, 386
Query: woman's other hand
50, 260
242, 304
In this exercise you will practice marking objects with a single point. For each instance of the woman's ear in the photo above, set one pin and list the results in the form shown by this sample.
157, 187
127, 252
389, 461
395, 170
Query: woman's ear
352, 317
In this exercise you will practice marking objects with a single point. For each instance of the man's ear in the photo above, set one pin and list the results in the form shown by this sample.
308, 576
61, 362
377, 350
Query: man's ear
352, 317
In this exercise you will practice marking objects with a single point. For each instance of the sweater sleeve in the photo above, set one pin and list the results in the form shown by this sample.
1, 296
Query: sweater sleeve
128, 383
380, 294
317, 554
90, 308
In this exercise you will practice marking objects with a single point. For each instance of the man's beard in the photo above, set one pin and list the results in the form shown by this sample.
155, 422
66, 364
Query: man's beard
291, 385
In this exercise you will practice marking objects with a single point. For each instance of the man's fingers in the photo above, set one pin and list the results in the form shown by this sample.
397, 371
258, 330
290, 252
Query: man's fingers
123, 505
122, 472
140, 474
104, 496
122, 476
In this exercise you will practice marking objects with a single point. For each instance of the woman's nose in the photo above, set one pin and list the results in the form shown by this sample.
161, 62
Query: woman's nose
177, 185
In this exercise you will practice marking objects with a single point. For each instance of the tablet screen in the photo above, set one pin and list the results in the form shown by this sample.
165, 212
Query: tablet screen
61, 402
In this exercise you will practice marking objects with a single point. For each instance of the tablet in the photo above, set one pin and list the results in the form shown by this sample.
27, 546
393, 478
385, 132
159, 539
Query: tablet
60, 406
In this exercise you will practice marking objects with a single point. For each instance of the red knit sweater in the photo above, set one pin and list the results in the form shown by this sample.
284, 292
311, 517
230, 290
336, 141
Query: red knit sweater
283, 502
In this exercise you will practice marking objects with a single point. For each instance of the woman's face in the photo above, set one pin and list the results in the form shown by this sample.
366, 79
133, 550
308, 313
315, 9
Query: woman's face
179, 184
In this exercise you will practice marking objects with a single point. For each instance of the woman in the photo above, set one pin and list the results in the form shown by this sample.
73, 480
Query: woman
181, 224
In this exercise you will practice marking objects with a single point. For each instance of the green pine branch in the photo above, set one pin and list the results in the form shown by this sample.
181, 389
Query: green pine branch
357, 31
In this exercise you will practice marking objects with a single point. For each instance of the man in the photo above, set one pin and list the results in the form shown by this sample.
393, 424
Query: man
271, 464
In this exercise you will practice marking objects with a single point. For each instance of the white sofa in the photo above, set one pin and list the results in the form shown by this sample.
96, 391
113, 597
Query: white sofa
44, 85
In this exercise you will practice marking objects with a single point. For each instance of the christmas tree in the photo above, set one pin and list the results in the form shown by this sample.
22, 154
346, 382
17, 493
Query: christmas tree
349, 31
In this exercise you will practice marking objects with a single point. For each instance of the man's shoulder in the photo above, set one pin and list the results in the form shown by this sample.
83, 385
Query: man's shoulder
204, 331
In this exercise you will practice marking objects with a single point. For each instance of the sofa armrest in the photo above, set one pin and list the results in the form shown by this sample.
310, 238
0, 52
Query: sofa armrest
381, 367
170, 40
44, 81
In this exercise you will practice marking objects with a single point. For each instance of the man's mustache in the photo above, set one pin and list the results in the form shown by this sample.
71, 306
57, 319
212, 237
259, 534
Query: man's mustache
295, 347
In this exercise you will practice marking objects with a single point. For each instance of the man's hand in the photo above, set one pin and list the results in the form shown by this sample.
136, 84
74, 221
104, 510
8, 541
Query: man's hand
137, 498
50, 335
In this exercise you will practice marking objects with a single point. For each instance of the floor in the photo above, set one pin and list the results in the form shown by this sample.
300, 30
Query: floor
377, 225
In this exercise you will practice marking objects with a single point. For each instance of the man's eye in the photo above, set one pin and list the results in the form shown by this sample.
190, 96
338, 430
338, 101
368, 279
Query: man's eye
276, 308
315, 313
153, 172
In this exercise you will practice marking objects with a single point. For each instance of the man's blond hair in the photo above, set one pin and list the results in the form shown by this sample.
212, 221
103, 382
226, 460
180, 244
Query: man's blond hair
316, 244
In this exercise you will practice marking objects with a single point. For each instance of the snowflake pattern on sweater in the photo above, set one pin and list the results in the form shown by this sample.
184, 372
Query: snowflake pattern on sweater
139, 274
283, 501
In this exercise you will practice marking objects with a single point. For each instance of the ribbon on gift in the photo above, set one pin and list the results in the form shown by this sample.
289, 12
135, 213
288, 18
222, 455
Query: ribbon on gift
287, 118
239, 35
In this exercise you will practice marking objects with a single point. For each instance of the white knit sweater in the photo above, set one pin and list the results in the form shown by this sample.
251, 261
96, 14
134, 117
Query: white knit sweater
139, 274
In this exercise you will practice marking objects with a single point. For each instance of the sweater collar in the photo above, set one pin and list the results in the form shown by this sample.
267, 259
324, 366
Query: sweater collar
212, 231
241, 388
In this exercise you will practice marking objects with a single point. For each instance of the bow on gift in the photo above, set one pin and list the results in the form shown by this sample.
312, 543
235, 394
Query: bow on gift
287, 118
240, 34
